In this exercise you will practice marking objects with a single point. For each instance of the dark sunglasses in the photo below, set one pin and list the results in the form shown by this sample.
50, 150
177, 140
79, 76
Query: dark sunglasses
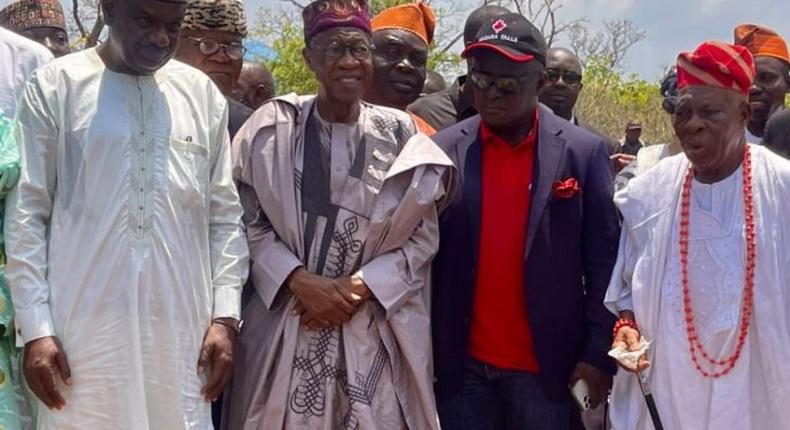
209, 46
507, 85
570, 78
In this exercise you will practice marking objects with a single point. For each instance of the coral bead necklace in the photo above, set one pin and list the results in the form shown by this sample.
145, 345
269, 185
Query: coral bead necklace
719, 367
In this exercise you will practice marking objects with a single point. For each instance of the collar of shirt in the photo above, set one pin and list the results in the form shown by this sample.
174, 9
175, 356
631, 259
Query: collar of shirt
489, 137
462, 104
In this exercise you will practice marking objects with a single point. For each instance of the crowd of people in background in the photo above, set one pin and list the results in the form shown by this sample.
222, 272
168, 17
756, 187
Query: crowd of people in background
185, 249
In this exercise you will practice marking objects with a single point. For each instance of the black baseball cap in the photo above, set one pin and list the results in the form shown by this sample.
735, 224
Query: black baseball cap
512, 36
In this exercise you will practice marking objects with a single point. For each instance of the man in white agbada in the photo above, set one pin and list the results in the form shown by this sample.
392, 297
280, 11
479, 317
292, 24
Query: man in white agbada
125, 247
704, 265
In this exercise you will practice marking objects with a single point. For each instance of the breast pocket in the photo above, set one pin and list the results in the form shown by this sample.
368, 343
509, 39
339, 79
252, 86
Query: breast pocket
187, 171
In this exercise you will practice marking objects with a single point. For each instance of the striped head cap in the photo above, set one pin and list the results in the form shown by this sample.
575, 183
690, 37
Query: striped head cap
717, 64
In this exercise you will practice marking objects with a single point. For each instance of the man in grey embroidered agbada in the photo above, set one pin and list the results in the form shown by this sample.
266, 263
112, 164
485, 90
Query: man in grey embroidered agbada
340, 202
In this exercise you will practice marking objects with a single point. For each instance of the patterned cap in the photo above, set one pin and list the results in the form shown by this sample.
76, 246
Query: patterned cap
717, 64
762, 41
26, 14
416, 18
321, 15
217, 15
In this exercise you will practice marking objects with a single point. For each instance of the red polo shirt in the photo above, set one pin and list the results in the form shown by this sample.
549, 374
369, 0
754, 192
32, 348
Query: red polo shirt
500, 333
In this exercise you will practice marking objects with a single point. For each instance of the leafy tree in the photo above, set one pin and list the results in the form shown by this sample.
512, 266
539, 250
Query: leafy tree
609, 100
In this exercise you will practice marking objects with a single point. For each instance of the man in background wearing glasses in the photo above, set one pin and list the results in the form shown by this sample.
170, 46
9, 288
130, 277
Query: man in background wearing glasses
564, 74
212, 33
528, 243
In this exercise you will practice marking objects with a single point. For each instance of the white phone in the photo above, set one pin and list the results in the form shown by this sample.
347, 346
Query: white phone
581, 393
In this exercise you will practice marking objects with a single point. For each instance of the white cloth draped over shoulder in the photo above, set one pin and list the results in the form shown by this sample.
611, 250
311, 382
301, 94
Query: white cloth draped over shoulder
646, 279
21, 56
124, 237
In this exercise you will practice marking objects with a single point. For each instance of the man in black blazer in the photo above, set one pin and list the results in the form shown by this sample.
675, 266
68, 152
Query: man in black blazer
564, 75
528, 243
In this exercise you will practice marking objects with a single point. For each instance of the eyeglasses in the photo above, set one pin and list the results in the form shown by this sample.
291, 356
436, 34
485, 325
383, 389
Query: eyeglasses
335, 50
507, 85
570, 78
209, 46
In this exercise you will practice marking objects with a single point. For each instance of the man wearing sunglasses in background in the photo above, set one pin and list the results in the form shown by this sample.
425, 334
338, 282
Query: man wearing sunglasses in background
563, 84
529, 240
211, 41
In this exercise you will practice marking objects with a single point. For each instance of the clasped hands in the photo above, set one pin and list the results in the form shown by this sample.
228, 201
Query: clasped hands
326, 302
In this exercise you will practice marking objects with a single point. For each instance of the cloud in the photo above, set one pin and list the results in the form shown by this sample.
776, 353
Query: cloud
710, 5
598, 9
613, 7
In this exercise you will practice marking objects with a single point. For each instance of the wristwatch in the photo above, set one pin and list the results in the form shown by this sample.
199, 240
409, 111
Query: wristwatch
230, 323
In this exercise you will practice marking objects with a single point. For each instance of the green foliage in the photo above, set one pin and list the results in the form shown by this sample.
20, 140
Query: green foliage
282, 31
608, 101
288, 67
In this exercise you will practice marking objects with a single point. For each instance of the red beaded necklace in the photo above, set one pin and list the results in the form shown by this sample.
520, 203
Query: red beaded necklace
695, 344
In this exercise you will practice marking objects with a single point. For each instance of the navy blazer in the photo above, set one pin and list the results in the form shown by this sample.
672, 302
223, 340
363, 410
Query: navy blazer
571, 248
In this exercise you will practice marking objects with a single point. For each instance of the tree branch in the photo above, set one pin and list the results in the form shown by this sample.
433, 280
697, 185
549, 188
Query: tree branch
75, 10
98, 27
451, 43
295, 3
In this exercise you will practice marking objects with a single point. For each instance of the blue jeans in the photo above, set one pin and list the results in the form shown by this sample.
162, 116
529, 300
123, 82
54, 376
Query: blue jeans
498, 399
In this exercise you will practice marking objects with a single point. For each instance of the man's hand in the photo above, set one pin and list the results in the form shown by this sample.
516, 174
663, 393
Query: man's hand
357, 288
216, 355
44, 359
619, 161
598, 382
322, 301
628, 339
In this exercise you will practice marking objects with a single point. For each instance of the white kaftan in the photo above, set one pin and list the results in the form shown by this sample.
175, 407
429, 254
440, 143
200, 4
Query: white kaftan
124, 237
20, 56
755, 395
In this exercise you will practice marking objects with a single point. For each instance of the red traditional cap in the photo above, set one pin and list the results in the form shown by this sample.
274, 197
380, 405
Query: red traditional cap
717, 64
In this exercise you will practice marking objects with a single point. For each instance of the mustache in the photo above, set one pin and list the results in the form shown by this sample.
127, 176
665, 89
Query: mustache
154, 48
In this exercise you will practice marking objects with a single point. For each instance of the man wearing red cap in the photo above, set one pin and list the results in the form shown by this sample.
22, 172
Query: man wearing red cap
702, 270
126, 253
772, 80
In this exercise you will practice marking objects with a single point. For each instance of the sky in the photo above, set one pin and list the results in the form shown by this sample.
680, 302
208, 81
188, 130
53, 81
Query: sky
672, 26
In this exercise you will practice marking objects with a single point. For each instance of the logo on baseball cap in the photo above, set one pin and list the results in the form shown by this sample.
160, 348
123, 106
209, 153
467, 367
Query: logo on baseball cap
512, 36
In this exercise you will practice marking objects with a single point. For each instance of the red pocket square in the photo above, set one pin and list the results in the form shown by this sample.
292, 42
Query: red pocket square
566, 189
